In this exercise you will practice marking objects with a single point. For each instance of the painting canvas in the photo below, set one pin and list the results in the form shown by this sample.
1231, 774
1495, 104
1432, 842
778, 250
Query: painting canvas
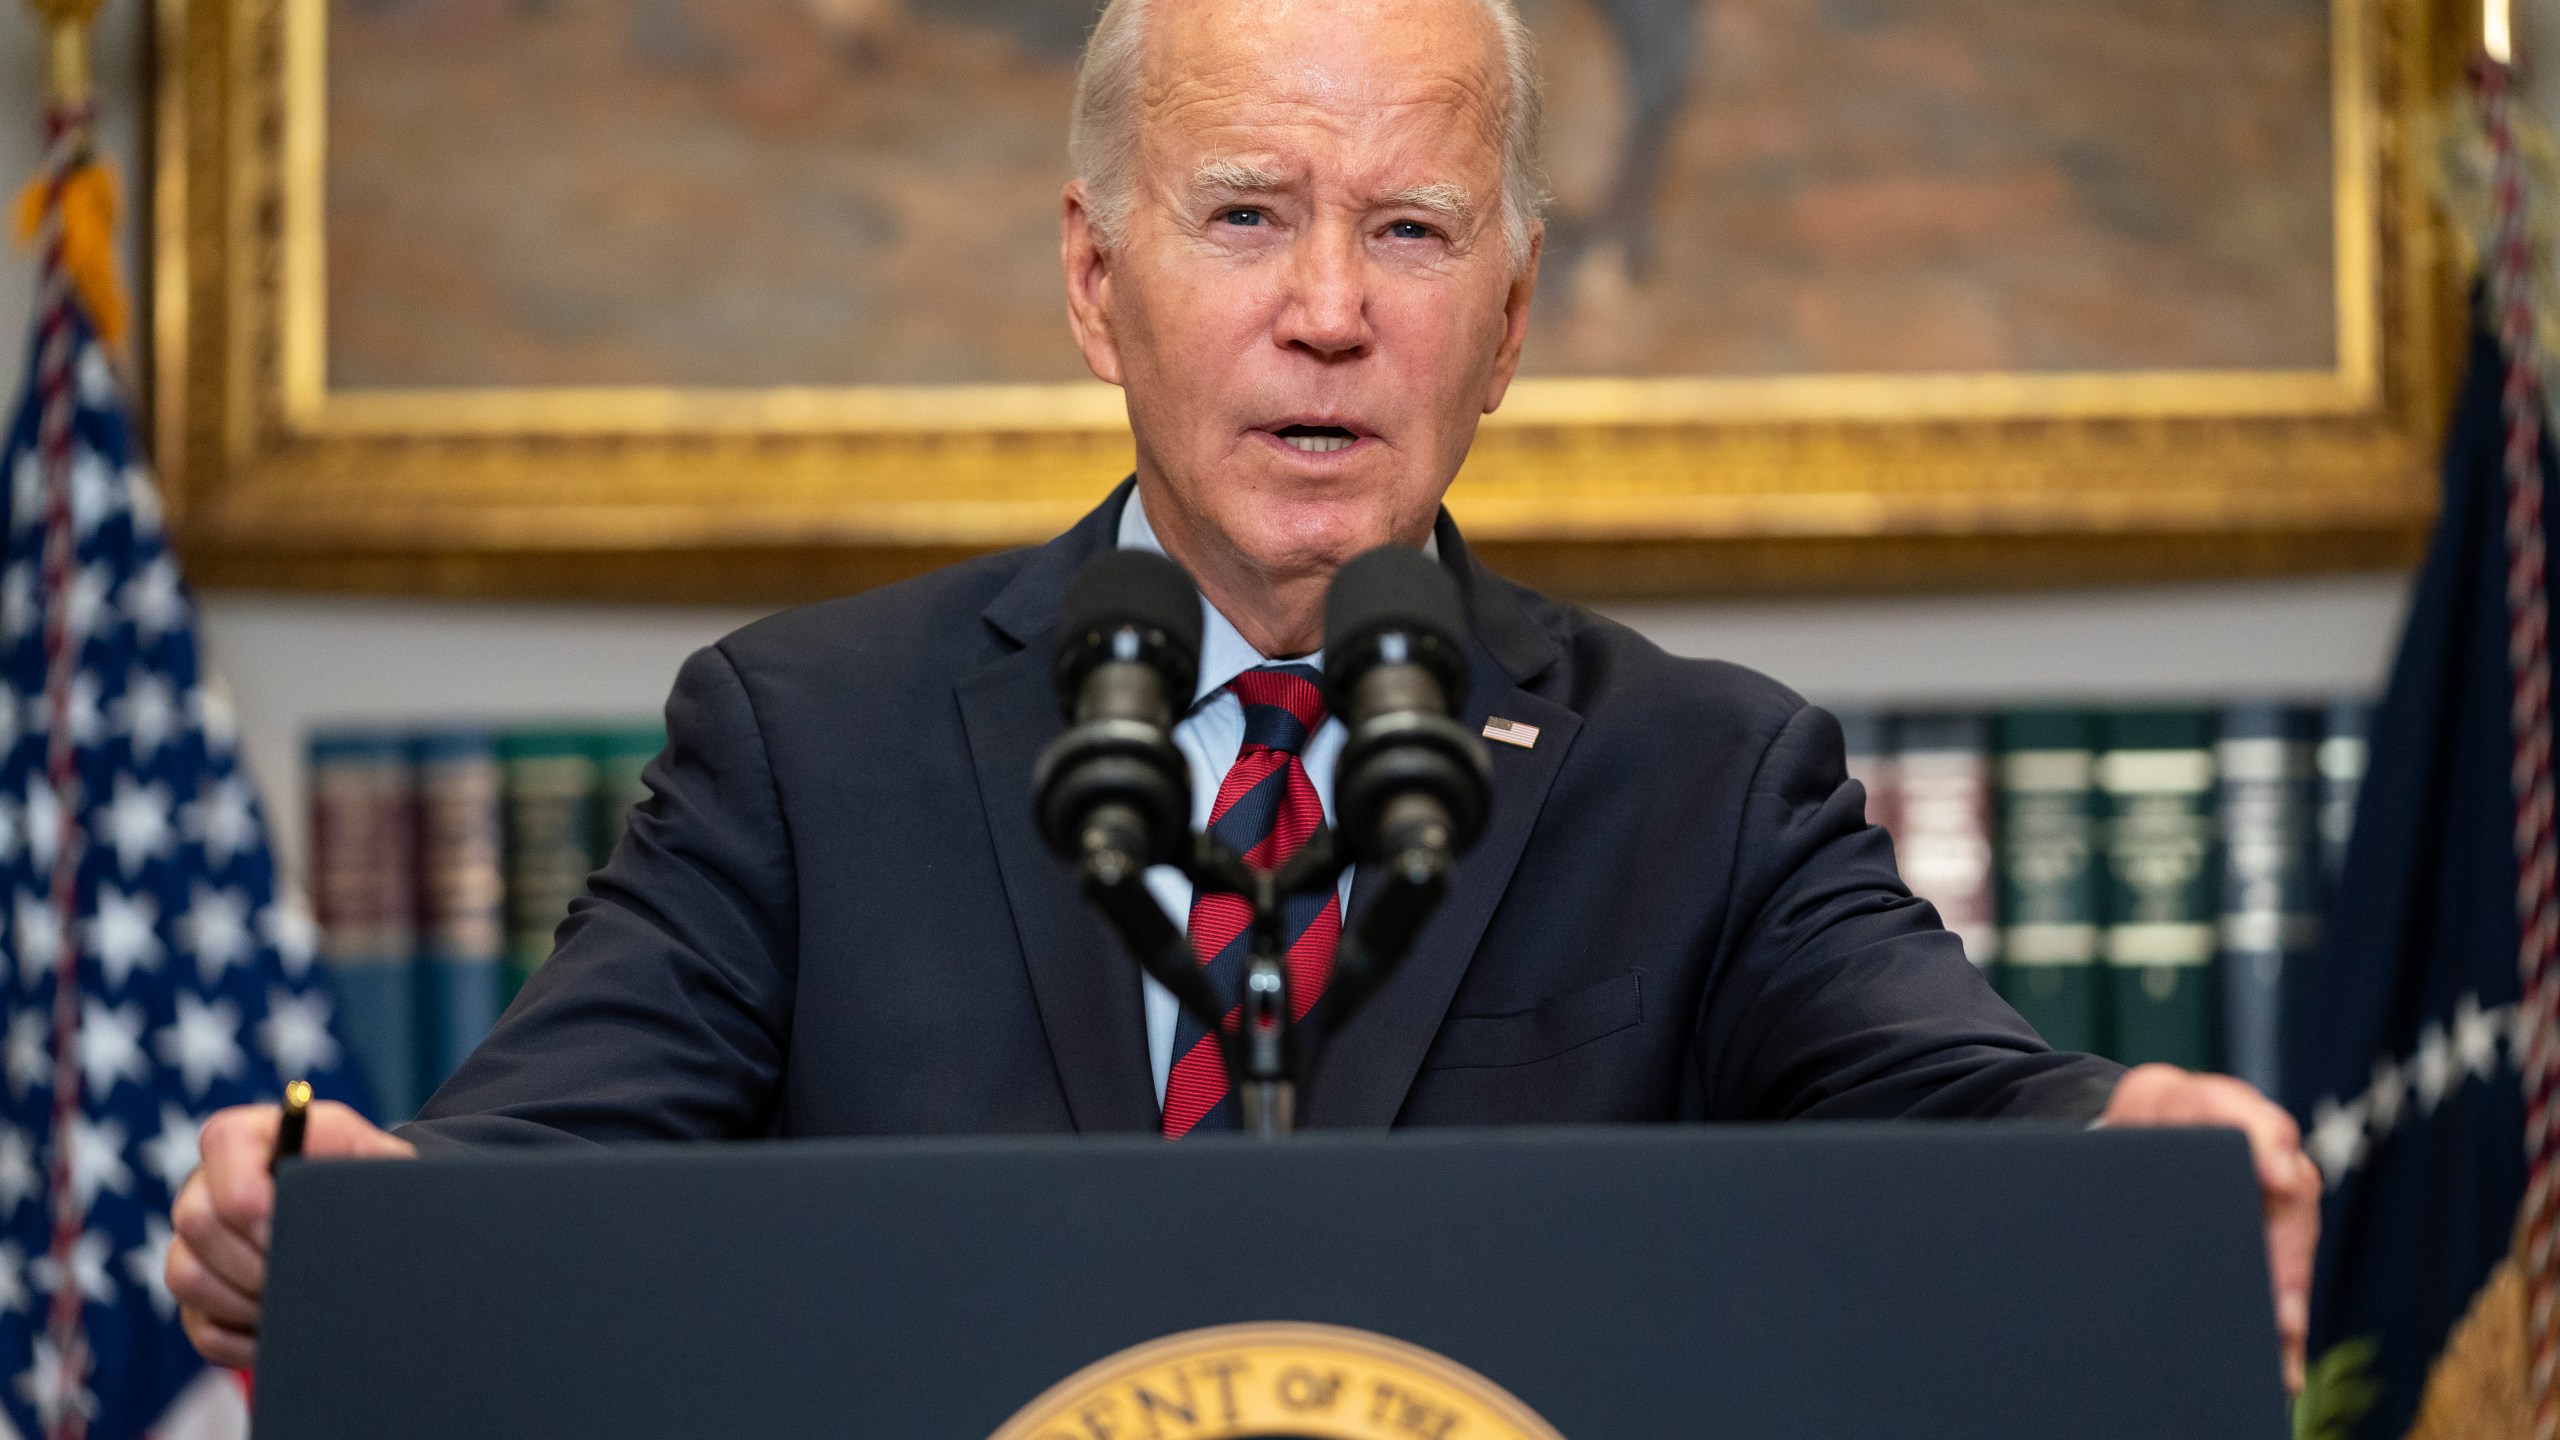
542, 193
759, 299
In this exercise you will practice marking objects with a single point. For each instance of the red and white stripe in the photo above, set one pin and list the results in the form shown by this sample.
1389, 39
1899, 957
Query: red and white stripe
67, 139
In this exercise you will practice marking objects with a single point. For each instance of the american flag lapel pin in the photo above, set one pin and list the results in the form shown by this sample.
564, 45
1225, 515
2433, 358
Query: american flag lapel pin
1511, 732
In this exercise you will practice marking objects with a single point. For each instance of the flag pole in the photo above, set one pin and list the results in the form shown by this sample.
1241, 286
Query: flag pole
64, 1402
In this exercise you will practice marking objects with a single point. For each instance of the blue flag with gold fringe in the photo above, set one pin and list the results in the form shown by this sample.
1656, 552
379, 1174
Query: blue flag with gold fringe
2405, 1067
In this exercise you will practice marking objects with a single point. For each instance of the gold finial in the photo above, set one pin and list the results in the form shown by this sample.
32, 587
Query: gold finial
67, 21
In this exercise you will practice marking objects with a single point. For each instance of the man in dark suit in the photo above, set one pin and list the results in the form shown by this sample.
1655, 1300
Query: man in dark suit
1303, 239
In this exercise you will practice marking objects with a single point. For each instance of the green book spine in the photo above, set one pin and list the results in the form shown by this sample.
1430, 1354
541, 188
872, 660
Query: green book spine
622, 756
552, 786
2050, 882
2156, 775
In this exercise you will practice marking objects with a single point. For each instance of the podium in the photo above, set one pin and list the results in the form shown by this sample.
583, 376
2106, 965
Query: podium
1974, 1280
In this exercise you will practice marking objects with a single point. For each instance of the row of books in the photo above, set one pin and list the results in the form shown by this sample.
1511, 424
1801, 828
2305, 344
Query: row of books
2141, 883
2137, 882
442, 861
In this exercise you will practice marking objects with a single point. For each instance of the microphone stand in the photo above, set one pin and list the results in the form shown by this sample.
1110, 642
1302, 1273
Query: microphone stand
1269, 1055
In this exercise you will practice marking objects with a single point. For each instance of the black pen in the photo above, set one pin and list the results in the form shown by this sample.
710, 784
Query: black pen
297, 1115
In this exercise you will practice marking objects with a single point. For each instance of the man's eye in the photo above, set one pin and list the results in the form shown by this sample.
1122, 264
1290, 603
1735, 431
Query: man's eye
1242, 216
1409, 230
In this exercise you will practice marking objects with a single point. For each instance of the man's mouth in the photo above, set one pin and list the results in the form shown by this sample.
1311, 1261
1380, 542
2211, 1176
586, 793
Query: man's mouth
1316, 439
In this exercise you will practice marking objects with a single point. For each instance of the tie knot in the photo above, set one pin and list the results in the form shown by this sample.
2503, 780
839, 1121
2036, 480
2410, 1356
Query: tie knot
1283, 705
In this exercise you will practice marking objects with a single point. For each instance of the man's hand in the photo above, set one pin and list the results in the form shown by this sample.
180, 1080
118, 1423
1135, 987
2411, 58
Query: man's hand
218, 1263
2288, 1181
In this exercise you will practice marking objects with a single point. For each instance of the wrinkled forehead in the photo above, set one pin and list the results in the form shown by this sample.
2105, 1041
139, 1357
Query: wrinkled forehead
1218, 73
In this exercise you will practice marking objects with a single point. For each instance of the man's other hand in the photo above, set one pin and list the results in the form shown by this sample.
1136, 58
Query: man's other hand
218, 1262
2287, 1180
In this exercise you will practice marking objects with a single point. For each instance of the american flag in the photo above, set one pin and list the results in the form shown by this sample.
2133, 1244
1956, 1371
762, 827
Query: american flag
156, 971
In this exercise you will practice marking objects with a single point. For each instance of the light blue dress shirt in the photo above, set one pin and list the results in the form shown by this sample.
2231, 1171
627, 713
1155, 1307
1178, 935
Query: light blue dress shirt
1209, 737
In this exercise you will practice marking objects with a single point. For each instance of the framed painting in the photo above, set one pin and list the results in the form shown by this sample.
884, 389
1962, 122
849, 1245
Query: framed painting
759, 299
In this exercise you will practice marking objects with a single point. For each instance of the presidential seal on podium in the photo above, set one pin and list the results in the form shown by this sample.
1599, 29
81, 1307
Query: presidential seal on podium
1277, 1381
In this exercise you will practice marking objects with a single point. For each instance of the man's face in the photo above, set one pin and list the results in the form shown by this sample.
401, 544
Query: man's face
1313, 301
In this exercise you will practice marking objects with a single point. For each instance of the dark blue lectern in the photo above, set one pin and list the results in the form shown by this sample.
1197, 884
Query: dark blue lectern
1977, 1281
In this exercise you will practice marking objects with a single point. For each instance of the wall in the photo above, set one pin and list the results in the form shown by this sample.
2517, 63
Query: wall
295, 661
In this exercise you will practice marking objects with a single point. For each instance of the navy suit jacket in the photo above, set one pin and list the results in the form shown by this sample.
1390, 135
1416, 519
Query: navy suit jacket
833, 915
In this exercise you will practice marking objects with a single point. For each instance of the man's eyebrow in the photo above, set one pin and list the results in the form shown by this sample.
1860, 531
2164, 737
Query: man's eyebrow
1439, 197
1443, 198
1234, 175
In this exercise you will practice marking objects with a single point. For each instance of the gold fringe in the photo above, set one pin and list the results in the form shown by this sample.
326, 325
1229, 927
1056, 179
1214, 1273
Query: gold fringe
2476, 1389
88, 200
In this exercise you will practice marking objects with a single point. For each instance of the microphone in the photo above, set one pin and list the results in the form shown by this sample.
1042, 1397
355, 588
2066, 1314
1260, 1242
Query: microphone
1113, 794
1412, 787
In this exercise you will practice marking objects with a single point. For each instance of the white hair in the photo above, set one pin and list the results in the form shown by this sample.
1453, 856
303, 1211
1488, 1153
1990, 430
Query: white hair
1102, 133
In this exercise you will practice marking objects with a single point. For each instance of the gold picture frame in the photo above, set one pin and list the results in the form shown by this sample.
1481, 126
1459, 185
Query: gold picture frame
1590, 486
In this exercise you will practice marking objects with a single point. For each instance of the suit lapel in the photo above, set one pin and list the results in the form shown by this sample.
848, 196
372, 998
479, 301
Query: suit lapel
1088, 992
1087, 989
1367, 1070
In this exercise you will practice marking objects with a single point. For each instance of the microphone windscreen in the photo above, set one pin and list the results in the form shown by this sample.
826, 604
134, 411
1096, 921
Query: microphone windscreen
1136, 588
1396, 588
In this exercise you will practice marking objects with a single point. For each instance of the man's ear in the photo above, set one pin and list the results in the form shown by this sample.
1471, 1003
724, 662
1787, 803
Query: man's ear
1515, 321
1088, 267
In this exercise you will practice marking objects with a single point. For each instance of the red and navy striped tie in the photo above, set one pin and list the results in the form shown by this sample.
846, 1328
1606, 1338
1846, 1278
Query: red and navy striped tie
1266, 809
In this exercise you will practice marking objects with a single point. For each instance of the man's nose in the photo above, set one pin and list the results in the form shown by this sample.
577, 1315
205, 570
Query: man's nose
1327, 312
